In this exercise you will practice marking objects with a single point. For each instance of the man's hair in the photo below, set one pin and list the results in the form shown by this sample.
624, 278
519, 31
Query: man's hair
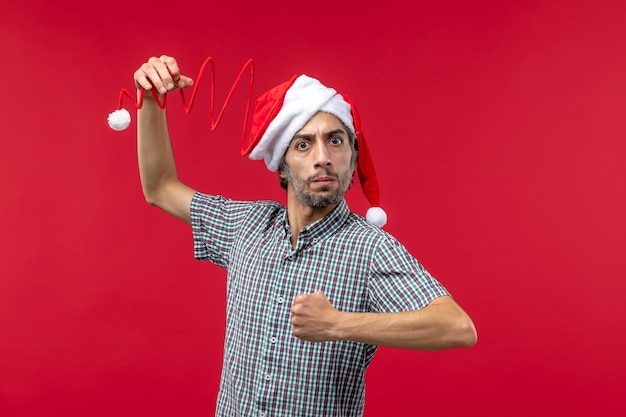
353, 146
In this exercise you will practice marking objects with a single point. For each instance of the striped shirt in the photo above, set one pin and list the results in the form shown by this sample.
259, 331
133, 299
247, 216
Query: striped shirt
267, 371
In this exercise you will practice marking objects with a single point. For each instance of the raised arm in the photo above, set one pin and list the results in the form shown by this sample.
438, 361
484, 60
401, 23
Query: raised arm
442, 324
157, 167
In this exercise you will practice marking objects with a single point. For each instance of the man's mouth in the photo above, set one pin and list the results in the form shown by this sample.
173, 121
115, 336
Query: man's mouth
323, 180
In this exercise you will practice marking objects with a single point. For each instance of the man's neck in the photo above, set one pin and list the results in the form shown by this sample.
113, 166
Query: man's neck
300, 216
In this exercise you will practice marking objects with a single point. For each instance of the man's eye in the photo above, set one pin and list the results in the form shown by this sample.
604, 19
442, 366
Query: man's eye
302, 145
336, 140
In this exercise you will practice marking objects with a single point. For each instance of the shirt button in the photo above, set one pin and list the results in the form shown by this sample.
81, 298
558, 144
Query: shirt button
280, 300
273, 340
289, 258
268, 377
262, 414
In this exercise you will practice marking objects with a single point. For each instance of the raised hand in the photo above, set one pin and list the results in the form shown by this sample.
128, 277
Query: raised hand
163, 74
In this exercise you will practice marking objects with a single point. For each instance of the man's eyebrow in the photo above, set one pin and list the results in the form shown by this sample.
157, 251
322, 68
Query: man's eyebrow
302, 136
327, 134
336, 131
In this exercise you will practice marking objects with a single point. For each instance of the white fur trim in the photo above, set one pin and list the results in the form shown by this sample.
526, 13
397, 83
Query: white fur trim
302, 101
340, 109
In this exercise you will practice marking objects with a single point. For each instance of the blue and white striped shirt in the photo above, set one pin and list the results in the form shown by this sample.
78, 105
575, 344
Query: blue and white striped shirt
267, 371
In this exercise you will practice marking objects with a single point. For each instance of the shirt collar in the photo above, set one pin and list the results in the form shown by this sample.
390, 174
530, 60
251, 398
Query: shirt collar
324, 227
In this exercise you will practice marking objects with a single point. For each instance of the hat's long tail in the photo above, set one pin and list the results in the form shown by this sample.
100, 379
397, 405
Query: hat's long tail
120, 119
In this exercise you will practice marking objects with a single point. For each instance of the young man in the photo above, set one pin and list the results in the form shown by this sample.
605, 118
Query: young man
313, 289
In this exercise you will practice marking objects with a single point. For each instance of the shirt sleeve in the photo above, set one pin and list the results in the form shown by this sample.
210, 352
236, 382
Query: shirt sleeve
215, 223
398, 282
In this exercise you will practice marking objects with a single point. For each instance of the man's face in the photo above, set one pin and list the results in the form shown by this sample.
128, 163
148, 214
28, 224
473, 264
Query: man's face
318, 163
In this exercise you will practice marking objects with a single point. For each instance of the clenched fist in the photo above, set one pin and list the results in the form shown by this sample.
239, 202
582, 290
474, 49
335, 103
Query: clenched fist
313, 318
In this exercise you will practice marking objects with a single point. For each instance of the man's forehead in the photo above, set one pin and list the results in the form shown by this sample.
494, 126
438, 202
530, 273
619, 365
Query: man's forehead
326, 122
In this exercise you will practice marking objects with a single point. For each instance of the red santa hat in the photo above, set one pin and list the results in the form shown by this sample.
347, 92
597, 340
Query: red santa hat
282, 111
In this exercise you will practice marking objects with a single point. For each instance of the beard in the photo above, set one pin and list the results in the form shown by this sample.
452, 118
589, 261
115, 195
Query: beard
324, 197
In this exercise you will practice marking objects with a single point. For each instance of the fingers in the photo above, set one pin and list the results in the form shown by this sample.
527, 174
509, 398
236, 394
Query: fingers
162, 73
302, 298
309, 303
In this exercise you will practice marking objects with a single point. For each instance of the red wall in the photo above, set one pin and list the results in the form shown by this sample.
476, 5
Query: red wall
498, 130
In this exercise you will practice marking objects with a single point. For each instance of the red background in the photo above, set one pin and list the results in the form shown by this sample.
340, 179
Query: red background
498, 130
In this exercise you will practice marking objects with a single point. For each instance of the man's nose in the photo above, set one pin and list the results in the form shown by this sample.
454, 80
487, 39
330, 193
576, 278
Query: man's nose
321, 155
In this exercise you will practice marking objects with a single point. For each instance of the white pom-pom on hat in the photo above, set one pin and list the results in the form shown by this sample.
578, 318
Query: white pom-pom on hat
119, 119
376, 216
282, 111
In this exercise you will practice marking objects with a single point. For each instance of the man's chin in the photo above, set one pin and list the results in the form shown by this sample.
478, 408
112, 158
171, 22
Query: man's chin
321, 198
